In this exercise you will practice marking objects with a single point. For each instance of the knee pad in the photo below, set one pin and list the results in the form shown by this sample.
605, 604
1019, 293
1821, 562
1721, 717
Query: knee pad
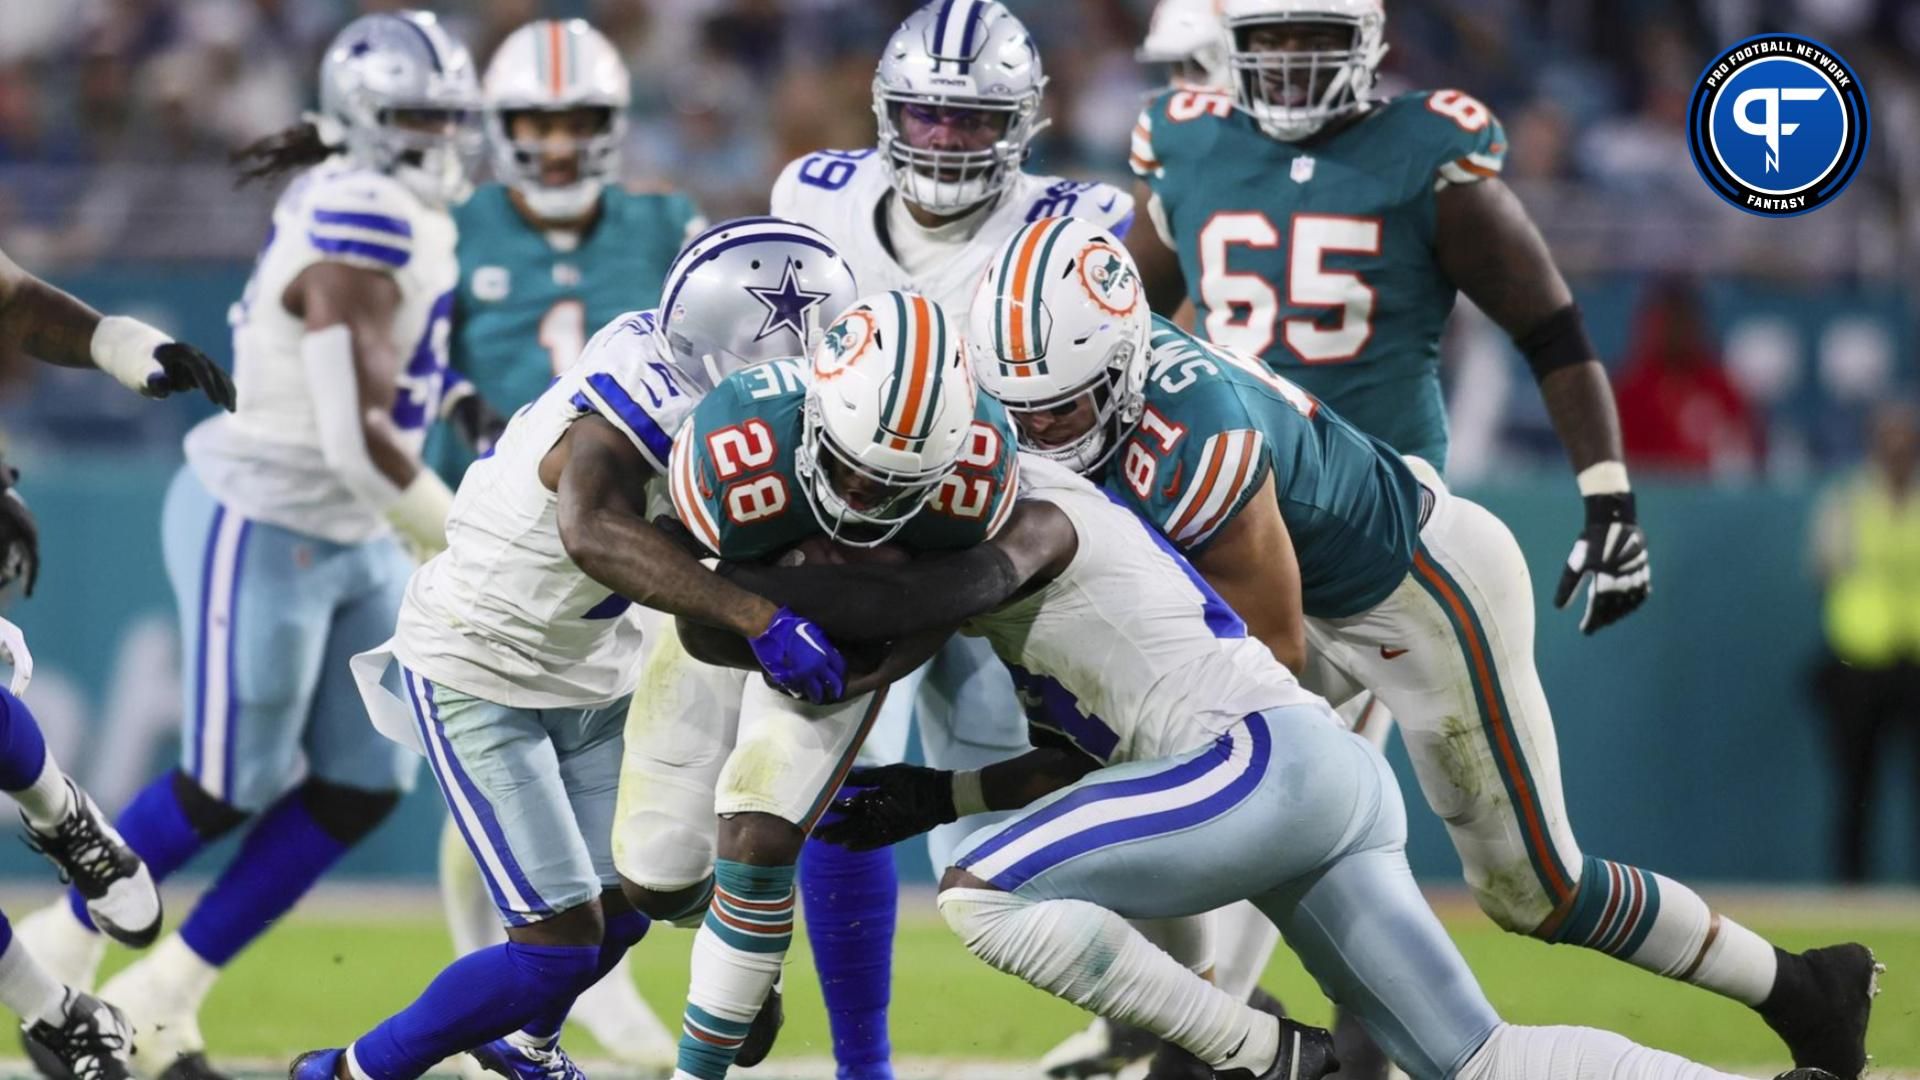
662, 853
345, 813
210, 817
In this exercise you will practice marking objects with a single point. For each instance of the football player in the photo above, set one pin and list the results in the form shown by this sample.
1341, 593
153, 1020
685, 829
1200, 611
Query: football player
1195, 772
67, 1030
286, 533
551, 249
517, 651
1184, 35
1357, 567
886, 443
958, 98
1328, 234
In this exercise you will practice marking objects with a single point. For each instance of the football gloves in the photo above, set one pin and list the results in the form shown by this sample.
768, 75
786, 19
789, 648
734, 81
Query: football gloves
799, 660
1614, 550
881, 806
148, 362
19, 536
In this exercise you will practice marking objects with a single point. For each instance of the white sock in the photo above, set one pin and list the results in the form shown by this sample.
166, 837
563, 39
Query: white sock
27, 989
1575, 1053
1244, 940
472, 920
1656, 923
49, 799
1087, 955
171, 971
619, 1018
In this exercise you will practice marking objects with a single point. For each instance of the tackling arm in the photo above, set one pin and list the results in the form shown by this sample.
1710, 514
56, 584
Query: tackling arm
56, 327
1251, 564
894, 802
1488, 247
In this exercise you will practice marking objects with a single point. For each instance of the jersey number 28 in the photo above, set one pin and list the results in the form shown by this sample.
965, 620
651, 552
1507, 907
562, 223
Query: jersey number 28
1243, 307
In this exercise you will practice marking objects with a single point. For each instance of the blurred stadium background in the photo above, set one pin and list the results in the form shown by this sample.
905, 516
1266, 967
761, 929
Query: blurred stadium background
1750, 357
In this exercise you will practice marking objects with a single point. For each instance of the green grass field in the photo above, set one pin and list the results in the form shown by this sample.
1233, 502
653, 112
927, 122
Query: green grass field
318, 981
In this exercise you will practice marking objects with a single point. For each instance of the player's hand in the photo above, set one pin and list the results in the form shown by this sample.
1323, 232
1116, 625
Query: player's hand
798, 658
19, 536
476, 422
1614, 550
885, 805
149, 362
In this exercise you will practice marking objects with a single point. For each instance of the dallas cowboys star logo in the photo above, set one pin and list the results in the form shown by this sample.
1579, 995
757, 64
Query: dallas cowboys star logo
787, 304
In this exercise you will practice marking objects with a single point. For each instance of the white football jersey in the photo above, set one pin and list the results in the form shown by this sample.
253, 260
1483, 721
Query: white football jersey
843, 193
264, 458
1128, 652
504, 614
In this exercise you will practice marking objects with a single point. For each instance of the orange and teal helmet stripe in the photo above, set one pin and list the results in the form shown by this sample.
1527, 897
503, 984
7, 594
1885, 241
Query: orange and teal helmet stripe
907, 418
555, 56
1017, 331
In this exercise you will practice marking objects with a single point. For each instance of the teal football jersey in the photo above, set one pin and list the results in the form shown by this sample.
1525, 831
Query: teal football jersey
524, 308
1318, 257
735, 485
1217, 424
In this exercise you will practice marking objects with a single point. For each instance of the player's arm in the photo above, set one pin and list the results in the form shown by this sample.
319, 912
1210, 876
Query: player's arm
474, 422
352, 373
1489, 248
891, 803
1151, 246
43, 321
1250, 562
873, 602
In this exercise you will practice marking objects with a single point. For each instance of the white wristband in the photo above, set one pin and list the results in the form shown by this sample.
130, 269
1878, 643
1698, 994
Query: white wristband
123, 348
419, 515
968, 798
1604, 478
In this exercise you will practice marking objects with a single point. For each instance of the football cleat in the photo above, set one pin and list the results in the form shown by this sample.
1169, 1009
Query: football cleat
1807, 1074
168, 1044
91, 1042
93, 858
1102, 1048
189, 1066
521, 1056
766, 1028
1819, 1006
1306, 1053
316, 1064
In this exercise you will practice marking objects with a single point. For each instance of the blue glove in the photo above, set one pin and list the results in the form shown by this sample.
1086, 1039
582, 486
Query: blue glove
798, 658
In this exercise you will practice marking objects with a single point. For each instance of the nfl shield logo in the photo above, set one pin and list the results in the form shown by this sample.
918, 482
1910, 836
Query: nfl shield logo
1302, 169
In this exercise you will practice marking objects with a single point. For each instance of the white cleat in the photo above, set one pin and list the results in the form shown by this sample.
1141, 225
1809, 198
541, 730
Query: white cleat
618, 1018
68, 951
161, 995
93, 858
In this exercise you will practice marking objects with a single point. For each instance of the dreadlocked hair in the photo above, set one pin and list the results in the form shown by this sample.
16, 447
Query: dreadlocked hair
294, 148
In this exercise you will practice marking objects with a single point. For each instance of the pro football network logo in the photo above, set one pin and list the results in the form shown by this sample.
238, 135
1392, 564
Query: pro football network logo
1778, 125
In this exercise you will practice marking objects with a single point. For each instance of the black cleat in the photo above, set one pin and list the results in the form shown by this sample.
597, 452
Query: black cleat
193, 1066
1819, 1006
1170, 1062
92, 1042
1306, 1053
760, 1037
93, 858
1360, 1059
1807, 1074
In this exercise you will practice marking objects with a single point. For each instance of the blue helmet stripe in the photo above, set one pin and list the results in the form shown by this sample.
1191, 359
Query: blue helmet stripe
939, 42
966, 30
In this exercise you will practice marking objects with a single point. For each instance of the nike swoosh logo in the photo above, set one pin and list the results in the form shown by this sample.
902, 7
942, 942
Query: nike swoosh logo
802, 632
1173, 485
1391, 654
1108, 205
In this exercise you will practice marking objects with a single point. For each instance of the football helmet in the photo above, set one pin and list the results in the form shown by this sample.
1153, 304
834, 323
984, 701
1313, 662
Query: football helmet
399, 93
888, 410
747, 291
1187, 34
1291, 94
1060, 316
555, 65
958, 56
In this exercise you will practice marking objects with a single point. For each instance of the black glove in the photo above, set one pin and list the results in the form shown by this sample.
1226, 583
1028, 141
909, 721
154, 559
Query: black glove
187, 368
1614, 550
475, 422
19, 536
892, 803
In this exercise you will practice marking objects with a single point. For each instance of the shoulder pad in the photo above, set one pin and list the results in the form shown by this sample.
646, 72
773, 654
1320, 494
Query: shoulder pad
731, 473
361, 217
624, 379
1090, 200
1166, 113
1464, 139
820, 173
